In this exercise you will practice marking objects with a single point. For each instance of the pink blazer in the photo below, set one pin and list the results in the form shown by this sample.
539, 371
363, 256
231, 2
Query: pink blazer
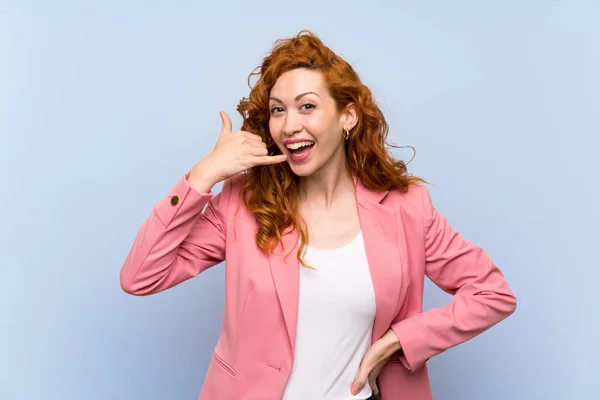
406, 238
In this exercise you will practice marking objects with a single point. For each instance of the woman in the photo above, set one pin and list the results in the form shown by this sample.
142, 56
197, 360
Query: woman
327, 240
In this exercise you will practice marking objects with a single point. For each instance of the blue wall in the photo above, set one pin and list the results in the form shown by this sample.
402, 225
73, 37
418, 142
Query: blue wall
104, 105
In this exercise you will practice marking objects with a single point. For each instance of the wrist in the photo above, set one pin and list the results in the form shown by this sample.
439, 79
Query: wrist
201, 178
392, 343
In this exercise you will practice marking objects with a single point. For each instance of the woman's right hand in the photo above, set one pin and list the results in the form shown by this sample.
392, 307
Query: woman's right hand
234, 152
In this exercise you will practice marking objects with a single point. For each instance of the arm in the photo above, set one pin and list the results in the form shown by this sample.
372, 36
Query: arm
178, 240
481, 296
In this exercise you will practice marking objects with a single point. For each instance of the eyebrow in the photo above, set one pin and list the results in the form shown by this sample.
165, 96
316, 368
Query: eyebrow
297, 97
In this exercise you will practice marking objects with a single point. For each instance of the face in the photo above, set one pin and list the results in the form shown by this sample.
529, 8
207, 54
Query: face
305, 123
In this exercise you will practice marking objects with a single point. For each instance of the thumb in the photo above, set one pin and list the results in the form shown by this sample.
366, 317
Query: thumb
226, 123
359, 382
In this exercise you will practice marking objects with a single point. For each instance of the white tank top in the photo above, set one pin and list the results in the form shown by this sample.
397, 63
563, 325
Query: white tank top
336, 311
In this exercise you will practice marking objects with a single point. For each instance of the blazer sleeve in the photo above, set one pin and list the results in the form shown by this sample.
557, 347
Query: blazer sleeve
183, 236
481, 295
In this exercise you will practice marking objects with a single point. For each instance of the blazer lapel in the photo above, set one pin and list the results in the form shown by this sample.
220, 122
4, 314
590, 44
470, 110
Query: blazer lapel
382, 231
286, 277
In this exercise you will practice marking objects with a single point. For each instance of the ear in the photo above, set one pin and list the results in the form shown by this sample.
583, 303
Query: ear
349, 117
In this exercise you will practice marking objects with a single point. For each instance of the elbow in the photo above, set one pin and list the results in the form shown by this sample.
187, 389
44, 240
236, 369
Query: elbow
506, 304
132, 284
129, 284
128, 287
504, 299
510, 300
498, 305
512, 304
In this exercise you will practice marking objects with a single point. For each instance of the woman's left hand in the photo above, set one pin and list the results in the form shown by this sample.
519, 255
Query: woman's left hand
374, 360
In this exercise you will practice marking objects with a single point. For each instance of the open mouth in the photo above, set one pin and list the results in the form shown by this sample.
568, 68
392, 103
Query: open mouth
300, 151
300, 147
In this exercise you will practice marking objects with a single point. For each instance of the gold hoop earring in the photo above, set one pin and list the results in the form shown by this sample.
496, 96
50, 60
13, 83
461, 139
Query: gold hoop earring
346, 134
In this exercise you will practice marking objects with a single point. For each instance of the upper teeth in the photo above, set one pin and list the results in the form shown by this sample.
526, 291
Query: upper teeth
297, 145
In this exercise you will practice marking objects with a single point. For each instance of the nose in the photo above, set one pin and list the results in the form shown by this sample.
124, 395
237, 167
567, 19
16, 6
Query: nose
291, 124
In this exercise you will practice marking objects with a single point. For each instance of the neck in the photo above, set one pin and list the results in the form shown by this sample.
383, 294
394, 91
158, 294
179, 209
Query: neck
327, 185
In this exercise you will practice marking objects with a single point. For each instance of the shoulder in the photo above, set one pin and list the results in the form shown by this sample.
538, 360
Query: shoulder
233, 185
231, 190
417, 198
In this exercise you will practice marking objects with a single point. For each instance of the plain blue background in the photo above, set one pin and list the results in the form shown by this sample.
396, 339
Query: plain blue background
104, 105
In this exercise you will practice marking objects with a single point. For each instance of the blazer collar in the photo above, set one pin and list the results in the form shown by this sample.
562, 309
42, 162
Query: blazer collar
382, 229
363, 192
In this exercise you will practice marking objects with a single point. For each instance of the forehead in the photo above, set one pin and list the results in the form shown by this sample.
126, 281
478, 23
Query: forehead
297, 81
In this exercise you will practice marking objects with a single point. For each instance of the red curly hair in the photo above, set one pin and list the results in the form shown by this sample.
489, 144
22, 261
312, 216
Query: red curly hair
271, 192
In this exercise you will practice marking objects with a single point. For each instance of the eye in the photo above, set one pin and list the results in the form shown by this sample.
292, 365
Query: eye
275, 109
308, 106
